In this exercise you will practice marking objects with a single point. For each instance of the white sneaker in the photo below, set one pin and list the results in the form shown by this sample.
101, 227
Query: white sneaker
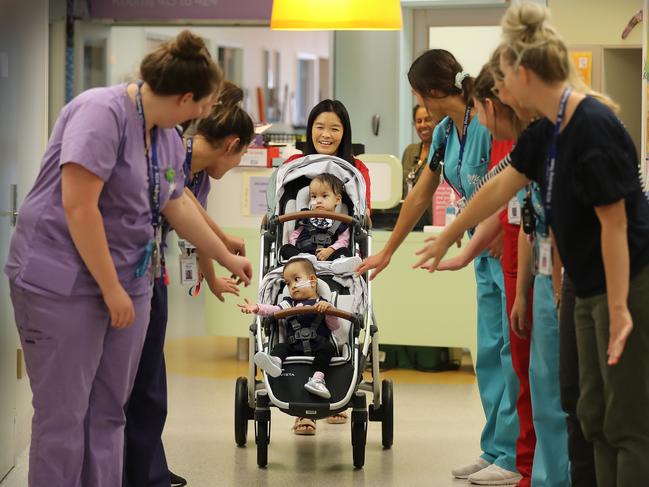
317, 387
269, 364
494, 475
464, 471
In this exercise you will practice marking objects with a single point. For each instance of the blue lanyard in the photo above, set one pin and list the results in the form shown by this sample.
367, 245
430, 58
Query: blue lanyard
153, 168
191, 183
552, 155
465, 129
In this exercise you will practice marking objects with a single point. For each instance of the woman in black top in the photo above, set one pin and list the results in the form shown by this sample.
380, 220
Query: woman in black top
587, 167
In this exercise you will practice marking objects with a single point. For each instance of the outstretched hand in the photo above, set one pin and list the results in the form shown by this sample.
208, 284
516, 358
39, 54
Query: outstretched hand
248, 308
223, 285
432, 254
377, 261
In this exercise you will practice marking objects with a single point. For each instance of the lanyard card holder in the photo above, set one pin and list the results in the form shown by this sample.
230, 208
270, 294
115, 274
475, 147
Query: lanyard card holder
514, 211
544, 258
188, 263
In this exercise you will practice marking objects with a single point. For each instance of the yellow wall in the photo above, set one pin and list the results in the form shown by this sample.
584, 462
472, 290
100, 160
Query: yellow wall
595, 21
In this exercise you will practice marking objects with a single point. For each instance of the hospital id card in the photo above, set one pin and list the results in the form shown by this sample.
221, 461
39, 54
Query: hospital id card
188, 269
514, 211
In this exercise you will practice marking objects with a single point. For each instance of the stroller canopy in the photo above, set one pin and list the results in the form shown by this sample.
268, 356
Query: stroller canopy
311, 166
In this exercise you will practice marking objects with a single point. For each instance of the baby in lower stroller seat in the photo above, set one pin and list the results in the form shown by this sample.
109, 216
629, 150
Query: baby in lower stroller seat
326, 239
308, 334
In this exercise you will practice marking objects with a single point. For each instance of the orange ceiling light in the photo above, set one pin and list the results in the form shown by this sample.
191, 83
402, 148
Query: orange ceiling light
336, 15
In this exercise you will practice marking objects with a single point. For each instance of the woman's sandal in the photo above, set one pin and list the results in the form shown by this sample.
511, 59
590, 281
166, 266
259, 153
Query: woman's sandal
339, 418
304, 426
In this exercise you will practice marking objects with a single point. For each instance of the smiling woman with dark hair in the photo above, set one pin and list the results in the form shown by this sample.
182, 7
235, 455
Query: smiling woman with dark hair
329, 131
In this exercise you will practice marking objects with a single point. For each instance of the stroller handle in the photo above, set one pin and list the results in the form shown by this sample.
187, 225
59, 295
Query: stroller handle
306, 310
332, 215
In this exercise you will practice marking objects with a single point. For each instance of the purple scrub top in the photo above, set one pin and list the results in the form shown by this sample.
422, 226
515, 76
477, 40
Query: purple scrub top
101, 131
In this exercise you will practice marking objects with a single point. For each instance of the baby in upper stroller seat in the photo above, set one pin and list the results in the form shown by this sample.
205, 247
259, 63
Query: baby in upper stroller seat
306, 334
326, 239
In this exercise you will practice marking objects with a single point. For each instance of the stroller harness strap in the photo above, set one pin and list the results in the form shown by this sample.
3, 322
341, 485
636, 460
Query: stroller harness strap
303, 329
317, 234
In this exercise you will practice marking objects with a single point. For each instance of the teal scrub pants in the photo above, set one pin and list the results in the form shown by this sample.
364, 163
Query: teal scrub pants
497, 381
551, 465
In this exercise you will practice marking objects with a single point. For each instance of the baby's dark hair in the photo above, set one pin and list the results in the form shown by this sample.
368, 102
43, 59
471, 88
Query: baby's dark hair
306, 264
332, 181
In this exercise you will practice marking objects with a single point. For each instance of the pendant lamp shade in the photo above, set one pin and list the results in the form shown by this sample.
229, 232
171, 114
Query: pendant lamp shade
336, 15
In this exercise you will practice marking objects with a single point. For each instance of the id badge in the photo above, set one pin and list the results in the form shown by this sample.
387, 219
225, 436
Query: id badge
514, 211
545, 256
460, 205
188, 269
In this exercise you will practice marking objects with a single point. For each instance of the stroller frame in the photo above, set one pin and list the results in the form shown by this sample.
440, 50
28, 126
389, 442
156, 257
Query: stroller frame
254, 398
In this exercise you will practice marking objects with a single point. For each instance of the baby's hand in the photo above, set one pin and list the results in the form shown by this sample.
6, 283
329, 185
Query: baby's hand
322, 306
324, 254
248, 308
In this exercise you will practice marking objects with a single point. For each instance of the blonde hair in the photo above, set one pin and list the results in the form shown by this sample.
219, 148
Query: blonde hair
530, 41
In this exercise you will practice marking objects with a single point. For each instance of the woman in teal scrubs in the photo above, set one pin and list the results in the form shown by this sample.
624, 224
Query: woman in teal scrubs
440, 84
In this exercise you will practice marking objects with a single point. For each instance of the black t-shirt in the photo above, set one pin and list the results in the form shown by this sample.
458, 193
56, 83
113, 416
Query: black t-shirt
596, 165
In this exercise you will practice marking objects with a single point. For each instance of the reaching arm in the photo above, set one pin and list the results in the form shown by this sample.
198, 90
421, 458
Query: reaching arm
188, 222
518, 318
80, 193
492, 196
484, 235
615, 253
413, 208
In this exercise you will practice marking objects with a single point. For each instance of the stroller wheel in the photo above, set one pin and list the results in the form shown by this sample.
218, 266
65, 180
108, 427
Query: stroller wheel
262, 439
387, 416
242, 412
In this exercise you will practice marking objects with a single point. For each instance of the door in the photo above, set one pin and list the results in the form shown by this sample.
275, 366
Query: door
23, 135
8, 340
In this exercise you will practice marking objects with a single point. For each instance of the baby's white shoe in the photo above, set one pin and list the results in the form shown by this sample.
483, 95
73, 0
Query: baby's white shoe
317, 386
269, 364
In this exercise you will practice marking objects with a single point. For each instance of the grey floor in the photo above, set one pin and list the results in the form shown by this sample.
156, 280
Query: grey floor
437, 427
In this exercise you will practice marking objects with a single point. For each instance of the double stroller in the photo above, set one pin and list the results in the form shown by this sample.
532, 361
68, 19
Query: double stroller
356, 340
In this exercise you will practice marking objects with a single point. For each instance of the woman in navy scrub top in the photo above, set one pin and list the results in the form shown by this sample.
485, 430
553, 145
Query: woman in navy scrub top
85, 252
216, 146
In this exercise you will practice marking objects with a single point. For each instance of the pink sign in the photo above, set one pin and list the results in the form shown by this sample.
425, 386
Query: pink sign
181, 9
441, 201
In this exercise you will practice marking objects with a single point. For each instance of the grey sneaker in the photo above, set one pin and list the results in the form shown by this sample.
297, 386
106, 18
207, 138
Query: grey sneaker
317, 387
494, 475
464, 471
269, 364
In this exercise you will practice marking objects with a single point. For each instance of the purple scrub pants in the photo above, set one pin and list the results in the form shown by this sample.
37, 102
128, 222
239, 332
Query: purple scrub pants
81, 372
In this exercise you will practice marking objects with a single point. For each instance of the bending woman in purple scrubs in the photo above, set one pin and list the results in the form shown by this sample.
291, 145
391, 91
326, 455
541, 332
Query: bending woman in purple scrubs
87, 247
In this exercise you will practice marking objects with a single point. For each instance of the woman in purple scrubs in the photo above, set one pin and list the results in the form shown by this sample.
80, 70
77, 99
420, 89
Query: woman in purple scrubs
86, 250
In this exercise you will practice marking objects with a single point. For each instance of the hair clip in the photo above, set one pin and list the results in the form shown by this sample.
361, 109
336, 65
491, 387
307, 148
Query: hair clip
459, 77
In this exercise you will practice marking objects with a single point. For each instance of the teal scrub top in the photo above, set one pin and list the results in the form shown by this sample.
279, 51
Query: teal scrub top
475, 160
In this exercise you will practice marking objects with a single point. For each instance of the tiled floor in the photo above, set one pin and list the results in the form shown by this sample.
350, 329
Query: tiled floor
438, 419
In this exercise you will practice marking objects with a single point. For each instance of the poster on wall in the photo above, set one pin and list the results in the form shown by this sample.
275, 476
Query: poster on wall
254, 194
583, 61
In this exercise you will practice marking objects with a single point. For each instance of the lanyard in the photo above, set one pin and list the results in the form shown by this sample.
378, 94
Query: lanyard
552, 155
153, 168
465, 129
191, 183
